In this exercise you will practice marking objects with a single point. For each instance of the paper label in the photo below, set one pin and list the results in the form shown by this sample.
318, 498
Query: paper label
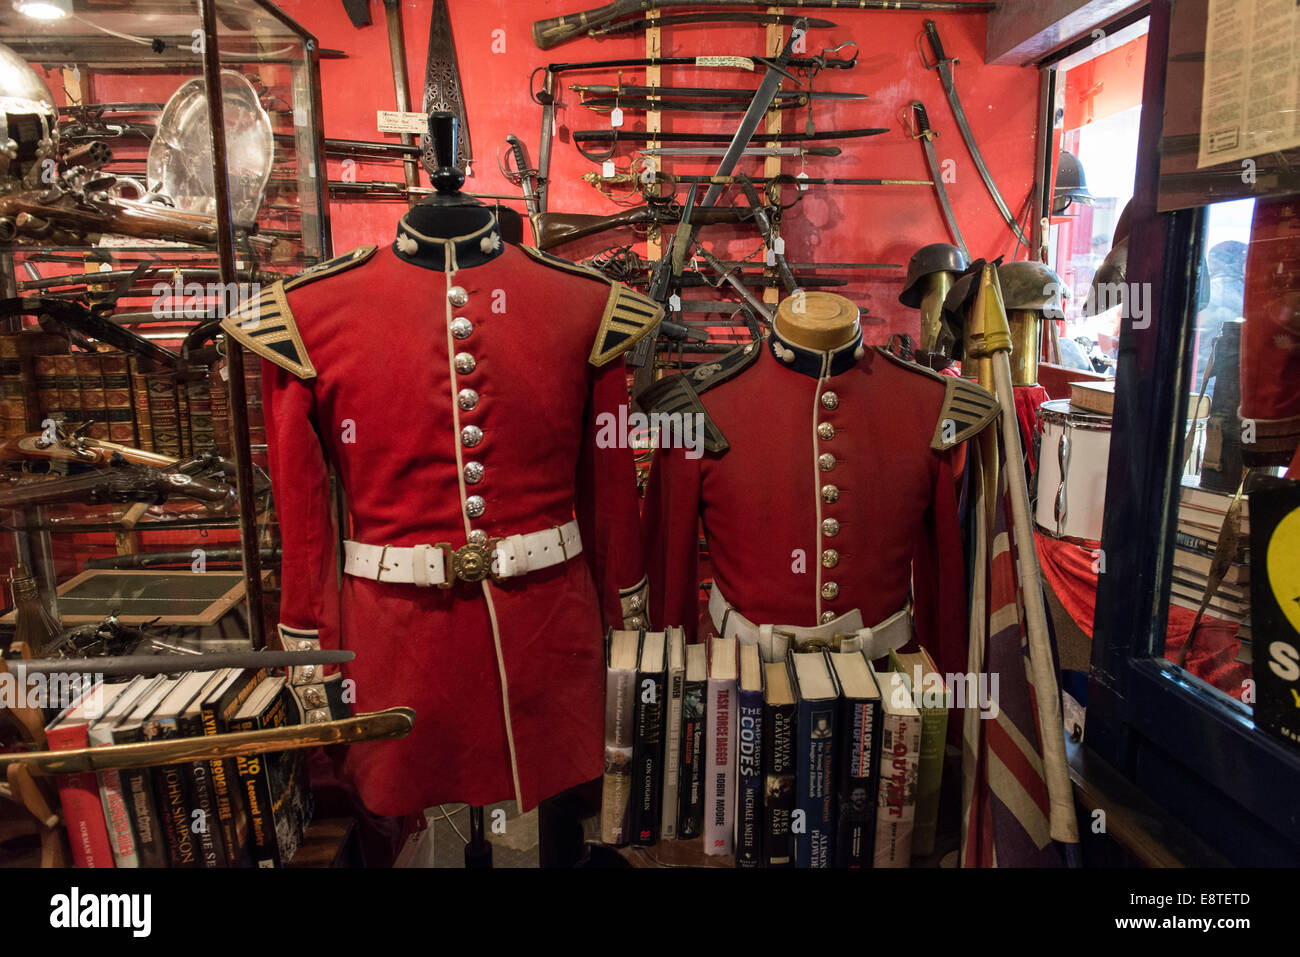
391, 121
742, 62
674, 302
616, 117
607, 168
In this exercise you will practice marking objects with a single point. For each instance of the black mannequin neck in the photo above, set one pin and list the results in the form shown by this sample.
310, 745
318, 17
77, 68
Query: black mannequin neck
425, 232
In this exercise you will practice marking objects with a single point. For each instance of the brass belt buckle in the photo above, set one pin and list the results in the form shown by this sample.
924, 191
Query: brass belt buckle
469, 563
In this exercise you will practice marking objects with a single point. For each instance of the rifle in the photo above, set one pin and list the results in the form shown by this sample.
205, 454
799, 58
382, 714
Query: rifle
556, 30
556, 229
120, 483
77, 324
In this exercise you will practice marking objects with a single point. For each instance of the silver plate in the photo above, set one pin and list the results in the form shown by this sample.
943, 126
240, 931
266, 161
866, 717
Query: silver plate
180, 156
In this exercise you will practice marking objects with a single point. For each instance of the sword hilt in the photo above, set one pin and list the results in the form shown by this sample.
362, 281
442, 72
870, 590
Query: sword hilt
936, 46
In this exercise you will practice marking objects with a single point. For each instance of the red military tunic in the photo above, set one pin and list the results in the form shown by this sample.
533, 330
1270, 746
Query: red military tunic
829, 497
453, 409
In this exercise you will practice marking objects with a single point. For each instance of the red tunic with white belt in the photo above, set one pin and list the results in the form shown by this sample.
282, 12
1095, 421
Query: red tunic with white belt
456, 406
828, 497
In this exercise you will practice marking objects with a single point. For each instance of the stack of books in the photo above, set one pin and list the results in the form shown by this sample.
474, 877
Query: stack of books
820, 760
1201, 516
239, 812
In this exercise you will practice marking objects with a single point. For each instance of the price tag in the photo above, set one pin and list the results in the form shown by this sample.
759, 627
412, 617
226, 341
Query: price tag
469, 169
299, 116
616, 117
675, 302
771, 256
391, 121
802, 175
607, 168
778, 247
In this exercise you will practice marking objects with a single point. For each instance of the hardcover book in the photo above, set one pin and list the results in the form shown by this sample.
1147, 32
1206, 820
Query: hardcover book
778, 766
694, 718
116, 815
720, 749
900, 752
220, 705
274, 784
859, 759
622, 655
672, 763
749, 759
816, 697
202, 798
648, 744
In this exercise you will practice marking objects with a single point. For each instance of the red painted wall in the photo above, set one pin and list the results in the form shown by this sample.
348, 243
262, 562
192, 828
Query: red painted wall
859, 224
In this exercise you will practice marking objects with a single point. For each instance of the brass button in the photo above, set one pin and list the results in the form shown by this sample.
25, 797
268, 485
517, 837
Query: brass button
826, 461
830, 400
830, 591
465, 362
830, 528
457, 296
471, 436
825, 431
461, 327
475, 506
467, 399
830, 494
828, 617
477, 537
830, 558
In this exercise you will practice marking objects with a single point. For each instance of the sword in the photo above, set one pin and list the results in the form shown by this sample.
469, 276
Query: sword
614, 137
442, 91
728, 93
792, 151
768, 19
923, 133
644, 104
522, 173
170, 664
376, 726
944, 65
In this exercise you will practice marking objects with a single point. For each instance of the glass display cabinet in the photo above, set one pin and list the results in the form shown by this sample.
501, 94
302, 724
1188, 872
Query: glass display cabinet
132, 449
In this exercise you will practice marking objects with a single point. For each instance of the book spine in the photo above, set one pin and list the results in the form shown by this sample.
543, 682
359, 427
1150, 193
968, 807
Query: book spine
146, 825
118, 818
749, 780
672, 763
163, 414
69, 391
173, 806
779, 786
859, 758
225, 798
256, 785
814, 783
83, 809
13, 395
929, 780
205, 821
140, 405
896, 810
183, 418
90, 383
648, 757
690, 812
48, 398
616, 783
720, 761
117, 398
220, 410
199, 391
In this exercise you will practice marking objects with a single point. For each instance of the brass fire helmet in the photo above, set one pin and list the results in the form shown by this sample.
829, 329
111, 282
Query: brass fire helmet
28, 123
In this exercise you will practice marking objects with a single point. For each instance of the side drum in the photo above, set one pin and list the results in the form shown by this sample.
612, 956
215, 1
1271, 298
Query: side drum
1071, 480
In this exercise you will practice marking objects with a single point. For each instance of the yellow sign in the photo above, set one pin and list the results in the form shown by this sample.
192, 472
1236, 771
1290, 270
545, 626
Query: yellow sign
1283, 566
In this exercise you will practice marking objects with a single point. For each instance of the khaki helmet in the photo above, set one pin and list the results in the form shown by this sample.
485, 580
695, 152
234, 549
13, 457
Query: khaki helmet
936, 257
1032, 285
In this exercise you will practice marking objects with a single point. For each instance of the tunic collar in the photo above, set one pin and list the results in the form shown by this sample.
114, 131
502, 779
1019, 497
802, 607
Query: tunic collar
814, 362
460, 252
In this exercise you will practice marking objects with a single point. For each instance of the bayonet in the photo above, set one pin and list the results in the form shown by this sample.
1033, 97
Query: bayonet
797, 152
604, 104
944, 66
919, 128
704, 92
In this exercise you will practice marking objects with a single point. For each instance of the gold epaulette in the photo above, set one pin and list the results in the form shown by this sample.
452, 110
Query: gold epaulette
629, 316
266, 327
680, 394
967, 407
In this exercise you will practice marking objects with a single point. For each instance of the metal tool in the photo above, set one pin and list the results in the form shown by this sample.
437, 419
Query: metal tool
615, 137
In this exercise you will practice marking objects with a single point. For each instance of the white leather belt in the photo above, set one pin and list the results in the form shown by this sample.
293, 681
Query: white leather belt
774, 640
441, 565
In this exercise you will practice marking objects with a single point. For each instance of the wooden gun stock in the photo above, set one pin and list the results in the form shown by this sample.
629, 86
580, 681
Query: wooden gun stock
25, 214
556, 229
557, 30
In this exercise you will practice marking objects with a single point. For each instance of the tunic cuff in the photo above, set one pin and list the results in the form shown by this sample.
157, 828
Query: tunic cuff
633, 602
